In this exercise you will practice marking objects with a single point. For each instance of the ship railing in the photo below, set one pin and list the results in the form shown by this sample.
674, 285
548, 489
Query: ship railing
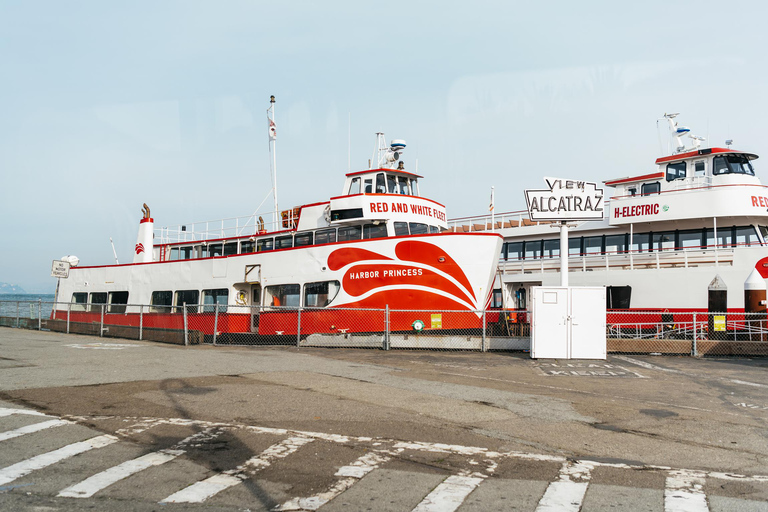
232, 227
624, 260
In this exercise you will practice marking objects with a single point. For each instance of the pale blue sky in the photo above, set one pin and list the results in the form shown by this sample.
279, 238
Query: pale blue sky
107, 105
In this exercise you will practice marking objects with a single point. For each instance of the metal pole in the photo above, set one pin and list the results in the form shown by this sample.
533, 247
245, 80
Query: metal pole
141, 322
69, 309
563, 254
272, 147
298, 327
18, 322
693, 346
386, 327
39, 314
215, 322
186, 337
483, 347
101, 324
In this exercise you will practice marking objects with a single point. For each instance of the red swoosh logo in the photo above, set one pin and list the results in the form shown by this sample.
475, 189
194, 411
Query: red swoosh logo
428, 254
343, 257
139, 248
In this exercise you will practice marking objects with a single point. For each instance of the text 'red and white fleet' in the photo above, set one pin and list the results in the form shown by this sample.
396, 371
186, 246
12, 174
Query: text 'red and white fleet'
379, 244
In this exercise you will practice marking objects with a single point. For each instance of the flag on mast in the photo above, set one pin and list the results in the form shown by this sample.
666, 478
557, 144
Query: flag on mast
490, 207
272, 129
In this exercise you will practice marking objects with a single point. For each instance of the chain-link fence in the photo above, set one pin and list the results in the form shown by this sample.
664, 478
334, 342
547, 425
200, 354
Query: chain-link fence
732, 333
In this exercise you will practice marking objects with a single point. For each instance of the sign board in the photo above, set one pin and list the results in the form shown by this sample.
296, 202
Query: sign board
565, 200
60, 269
719, 322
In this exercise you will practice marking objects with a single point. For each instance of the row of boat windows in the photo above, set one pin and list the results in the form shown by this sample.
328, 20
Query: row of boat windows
318, 294
385, 184
641, 242
722, 164
302, 239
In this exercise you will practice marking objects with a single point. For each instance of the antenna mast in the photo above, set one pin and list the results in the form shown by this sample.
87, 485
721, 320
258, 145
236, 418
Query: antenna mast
273, 159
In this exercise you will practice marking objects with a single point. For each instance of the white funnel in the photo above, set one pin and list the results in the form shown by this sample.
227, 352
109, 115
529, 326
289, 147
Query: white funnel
142, 251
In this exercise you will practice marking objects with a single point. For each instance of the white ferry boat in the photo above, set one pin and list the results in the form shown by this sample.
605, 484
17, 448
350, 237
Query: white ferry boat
379, 244
668, 232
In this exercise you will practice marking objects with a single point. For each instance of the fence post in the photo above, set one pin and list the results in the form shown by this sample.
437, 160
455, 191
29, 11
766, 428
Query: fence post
69, 309
186, 336
18, 322
298, 327
483, 347
693, 347
39, 314
101, 324
141, 322
215, 322
386, 327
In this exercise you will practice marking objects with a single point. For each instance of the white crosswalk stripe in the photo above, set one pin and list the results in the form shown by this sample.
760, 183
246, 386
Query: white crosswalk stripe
201, 491
5, 411
25, 467
567, 493
29, 429
449, 495
685, 492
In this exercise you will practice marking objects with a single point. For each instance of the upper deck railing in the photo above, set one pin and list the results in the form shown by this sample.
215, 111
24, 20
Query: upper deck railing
232, 227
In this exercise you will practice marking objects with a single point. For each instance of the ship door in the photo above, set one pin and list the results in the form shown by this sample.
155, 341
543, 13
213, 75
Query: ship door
255, 306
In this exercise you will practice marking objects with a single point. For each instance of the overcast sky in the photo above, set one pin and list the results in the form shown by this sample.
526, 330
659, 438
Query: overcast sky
108, 105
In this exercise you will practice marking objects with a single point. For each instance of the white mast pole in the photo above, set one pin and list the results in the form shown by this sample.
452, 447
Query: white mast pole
273, 160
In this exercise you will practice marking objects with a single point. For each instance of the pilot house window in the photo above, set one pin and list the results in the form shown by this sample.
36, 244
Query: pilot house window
676, 171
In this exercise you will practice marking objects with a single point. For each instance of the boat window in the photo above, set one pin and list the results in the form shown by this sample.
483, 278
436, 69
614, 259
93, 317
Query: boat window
676, 171
374, 231
640, 242
552, 248
117, 302
246, 246
287, 295
97, 299
616, 244
174, 254
402, 182
574, 246
593, 244
533, 249
414, 188
381, 188
325, 236
417, 228
650, 188
632, 191
515, 250
391, 184
188, 297
264, 244
368, 186
349, 213
354, 186
79, 300
215, 250
690, 239
161, 302
348, 233
764, 233
732, 164
746, 235
230, 248
664, 241
302, 239
434, 229
186, 252
212, 297
401, 229
724, 237
496, 298
319, 295
283, 242
700, 169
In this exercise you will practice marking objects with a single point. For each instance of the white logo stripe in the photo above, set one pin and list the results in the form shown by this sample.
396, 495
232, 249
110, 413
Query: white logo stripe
25, 467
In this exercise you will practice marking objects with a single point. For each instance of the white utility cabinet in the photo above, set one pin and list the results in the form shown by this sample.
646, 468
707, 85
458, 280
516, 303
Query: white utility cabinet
568, 322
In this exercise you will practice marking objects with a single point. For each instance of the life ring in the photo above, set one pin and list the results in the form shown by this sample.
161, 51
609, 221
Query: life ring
241, 298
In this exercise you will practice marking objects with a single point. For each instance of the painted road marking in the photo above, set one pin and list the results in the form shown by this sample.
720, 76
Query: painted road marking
4, 411
450, 494
643, 364
25, 467
36, 427
567, 493
354, 472
752, 406
748, 383
204, 489
585, 370
102, 346
685, 492
99, 481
